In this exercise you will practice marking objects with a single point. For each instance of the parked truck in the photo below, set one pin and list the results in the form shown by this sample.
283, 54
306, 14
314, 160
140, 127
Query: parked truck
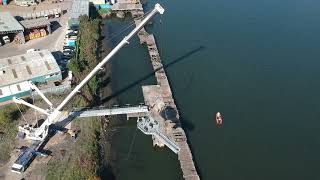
6, 39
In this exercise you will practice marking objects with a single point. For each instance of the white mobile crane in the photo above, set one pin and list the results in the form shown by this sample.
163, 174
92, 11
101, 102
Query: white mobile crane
55, 114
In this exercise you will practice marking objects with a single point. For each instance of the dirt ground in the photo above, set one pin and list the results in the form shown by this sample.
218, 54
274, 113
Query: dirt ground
57, 144
37, 170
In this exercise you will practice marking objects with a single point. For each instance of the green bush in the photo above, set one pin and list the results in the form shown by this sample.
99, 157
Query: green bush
103, 11
84, 161
8, 129
89, 35
8, 114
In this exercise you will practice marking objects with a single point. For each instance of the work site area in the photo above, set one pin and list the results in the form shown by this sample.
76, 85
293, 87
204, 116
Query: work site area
54, 120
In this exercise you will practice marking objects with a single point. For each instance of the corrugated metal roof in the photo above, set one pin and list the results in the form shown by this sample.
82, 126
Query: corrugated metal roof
79, 7
34, 23
8, 24
24, 67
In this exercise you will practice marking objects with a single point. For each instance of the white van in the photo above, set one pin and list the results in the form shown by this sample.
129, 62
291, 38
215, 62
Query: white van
6, 39
46, 16
32, 50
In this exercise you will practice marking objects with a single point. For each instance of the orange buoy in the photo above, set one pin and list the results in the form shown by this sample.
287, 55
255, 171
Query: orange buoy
219, 119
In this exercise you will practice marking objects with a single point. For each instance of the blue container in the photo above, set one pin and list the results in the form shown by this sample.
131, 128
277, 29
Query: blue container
105, 6
72, 43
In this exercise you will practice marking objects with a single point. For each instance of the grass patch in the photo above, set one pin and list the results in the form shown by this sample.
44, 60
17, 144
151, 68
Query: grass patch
104, 12
9, 116
83, 160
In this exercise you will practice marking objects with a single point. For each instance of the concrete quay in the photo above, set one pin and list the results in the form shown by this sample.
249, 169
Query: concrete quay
162, 106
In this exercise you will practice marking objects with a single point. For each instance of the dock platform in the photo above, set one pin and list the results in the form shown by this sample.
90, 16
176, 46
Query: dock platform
162, 106
126, 7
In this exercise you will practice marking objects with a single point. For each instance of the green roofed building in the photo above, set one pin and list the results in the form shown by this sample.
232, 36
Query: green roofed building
17, 71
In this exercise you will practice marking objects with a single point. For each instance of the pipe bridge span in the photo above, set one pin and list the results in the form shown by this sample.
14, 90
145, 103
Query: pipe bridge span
146, 123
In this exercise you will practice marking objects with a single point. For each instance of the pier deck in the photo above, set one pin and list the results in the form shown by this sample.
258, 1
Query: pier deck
163, 109
126, 7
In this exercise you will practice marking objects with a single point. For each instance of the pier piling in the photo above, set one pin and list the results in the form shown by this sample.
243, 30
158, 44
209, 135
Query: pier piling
163, 108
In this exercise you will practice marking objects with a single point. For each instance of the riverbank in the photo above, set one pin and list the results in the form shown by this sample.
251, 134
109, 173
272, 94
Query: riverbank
83, 161
134, 151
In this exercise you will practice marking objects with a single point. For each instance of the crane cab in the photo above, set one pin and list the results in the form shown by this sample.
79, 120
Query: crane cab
17, 168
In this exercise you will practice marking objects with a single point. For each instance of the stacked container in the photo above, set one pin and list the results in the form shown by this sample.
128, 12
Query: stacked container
36, 34
43, 32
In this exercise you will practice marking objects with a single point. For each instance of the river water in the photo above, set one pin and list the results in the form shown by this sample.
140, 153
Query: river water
257, 62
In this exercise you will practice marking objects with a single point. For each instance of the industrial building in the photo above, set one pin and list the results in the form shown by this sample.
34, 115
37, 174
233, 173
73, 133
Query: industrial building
9, 26
38, 23
36, 28
39, 67
25, 2
78, 8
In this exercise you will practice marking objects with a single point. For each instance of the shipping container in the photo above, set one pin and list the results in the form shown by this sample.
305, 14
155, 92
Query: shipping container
105, 6
43, 32
71, 43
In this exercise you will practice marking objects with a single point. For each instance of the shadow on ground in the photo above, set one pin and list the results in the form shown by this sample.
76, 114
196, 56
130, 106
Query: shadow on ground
55, 25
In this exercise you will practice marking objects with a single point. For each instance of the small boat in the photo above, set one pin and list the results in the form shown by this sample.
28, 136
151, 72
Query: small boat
219, 119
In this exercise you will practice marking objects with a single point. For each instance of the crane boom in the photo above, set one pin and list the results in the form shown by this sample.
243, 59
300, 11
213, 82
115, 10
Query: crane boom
32, 86
55, 115
126, 39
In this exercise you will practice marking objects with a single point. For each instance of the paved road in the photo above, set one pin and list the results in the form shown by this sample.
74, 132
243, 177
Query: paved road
53, 42
45, 5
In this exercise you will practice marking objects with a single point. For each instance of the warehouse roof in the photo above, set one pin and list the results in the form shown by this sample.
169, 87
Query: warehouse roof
79, 7
35, 23
25, 67
8, 24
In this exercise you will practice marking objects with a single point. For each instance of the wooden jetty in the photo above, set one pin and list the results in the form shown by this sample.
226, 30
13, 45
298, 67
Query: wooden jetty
126, 7
162, 106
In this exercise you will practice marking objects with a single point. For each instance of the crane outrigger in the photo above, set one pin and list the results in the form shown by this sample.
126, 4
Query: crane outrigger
55, 115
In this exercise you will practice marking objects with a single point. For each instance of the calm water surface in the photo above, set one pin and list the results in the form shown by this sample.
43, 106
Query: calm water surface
257, 62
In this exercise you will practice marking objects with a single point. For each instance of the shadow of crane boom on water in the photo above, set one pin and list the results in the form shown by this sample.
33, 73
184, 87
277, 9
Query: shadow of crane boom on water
165, 66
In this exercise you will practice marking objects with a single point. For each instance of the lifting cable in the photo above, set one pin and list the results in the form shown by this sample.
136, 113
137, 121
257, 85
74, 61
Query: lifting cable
35, 112
21, 113
161, 47
132, 143
161, 37
125, 28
